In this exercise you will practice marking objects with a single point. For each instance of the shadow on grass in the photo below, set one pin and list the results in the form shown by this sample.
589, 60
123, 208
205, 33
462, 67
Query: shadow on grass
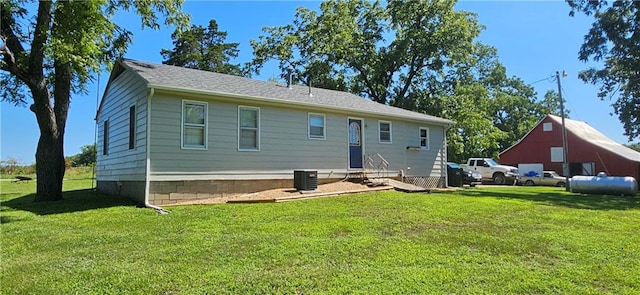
566, 199
74, 201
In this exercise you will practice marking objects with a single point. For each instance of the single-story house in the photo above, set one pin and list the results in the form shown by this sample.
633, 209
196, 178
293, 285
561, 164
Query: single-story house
168, 134
589, 151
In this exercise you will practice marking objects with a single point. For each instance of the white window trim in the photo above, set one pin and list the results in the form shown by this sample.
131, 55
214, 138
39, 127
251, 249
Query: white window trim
206, 128
424, 148
390, 132
324, 126
257, 109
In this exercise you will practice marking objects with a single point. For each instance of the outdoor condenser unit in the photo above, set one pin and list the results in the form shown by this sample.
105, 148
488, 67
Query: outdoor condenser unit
305, 180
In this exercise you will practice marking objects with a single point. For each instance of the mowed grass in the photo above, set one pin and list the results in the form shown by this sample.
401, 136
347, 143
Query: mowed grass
488, 240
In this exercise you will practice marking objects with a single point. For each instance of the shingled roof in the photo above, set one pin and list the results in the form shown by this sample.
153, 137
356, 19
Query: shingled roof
175, 78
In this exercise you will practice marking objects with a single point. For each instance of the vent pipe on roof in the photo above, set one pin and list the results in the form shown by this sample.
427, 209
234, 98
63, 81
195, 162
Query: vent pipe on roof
289, 78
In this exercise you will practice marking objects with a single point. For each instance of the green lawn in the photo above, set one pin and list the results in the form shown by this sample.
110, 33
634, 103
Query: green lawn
521, 240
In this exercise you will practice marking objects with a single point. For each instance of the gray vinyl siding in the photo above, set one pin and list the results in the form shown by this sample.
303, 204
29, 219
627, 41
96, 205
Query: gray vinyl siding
284, 141
121, 163
412, 163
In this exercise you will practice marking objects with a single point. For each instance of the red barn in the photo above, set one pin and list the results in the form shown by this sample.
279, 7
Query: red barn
589, 151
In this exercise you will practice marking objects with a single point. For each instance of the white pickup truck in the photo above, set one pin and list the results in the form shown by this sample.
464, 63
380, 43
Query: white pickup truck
492, 171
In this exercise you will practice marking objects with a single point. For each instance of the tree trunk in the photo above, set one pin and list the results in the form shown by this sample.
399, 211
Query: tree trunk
50, 167
50, 151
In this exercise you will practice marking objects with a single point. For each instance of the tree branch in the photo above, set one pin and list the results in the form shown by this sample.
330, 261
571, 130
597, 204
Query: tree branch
11, 45
40, 36
415, 67
375, 96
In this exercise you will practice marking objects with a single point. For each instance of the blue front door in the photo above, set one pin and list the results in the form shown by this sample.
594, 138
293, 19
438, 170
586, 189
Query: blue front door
355, 143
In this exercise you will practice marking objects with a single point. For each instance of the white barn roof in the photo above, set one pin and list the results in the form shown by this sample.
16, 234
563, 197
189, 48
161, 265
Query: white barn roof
589, 134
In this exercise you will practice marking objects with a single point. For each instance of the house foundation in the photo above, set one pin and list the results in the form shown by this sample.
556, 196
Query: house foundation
173, 192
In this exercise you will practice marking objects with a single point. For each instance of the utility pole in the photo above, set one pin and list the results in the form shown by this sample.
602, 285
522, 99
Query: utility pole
565, 165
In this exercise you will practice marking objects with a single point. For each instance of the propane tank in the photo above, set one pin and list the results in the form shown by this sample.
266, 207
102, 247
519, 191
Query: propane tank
603, 184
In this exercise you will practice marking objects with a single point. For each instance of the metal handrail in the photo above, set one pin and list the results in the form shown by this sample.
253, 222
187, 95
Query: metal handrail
382, 167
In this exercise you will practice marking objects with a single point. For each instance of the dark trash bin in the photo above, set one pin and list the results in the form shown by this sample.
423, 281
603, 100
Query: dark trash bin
455, 175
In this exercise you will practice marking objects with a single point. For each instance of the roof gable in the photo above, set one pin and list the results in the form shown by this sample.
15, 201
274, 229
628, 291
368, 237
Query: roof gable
116, 71
189, 80
525, 136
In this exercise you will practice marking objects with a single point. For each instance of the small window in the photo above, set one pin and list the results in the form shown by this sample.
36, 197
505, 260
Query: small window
424, 138
316, 126
132, 127
194, 125
248, 129
105, 137
384, 132
557, 154
354, 134
547, 127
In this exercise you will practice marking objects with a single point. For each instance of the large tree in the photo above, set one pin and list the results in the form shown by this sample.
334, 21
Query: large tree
492, 110
204, 49
550, 104
382, 52
50, 50
614, 41
417, 55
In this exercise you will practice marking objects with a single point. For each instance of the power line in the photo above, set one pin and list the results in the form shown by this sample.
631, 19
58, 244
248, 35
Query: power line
549, 79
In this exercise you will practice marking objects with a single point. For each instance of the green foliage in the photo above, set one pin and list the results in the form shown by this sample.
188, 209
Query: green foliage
491, 111
634, 146
86, 157
614, 40
51, 53
489, 240
204, 49
11, 167
417, 55
74, 22
551, 104
345, 46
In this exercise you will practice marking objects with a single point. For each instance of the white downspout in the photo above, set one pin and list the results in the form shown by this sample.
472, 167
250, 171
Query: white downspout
148, 164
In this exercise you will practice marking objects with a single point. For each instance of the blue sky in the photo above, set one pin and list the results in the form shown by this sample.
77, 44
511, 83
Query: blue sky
534, 40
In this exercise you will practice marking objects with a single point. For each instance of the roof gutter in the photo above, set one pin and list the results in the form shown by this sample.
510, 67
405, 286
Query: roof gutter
147, 180
443, 122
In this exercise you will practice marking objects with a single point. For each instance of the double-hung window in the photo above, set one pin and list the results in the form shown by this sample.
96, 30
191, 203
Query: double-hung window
424, 138
248, 129
316, 126
384, 131
194, 125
